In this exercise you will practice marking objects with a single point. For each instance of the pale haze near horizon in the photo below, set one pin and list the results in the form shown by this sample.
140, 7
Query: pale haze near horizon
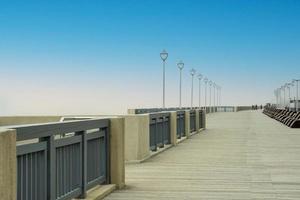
103, 57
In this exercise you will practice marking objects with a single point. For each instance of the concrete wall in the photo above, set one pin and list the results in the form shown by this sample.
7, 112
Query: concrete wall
8, 165
117, 151
136, 137
187, 123
18, 120
241, 108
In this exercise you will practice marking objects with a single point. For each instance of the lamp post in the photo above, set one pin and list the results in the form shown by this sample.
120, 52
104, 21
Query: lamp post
280, 97
210, 83
164, 56
180, 66
276, 96
220, 95
192, 72
284, 97
296, 82
200, 78
205, 99
214, 86
288, 86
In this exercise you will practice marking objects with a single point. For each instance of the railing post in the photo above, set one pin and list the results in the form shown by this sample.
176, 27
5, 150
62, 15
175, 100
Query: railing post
174, 129
51, 167
83, 164
198, 117
187, 123
8, 164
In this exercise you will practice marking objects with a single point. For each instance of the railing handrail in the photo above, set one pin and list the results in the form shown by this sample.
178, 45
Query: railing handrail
26, 132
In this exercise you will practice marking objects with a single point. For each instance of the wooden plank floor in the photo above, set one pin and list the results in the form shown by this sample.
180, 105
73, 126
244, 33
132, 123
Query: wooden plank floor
243, 155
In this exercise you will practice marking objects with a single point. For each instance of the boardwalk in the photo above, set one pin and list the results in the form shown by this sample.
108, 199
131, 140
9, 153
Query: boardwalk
243, 155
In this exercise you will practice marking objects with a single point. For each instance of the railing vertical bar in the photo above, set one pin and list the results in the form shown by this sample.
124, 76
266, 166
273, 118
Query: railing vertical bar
83, 164
64, 169
31, 178
107, 147
26, 175
51, 168
35, 176
58, 173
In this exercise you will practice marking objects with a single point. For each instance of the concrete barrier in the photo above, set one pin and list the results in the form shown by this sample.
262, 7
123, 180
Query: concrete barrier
117, 152
137, 137
8, 163
187, 123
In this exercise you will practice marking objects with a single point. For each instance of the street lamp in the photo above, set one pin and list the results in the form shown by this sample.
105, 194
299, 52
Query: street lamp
276, 96
288, 86
205, 81
180, 66
280, 96
284, 99
217, 96
296, 82
200, 76
214, 85
192, 72
164, 56
210, 83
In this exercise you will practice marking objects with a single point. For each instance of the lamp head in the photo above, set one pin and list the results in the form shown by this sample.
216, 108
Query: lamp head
164, 55
200, 76
192, 72
180, 65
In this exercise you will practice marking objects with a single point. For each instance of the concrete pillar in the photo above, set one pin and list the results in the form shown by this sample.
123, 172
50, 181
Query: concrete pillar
131, 111
137, 145
8, 163
187, 123
204, 120
117, 151
173, 127
197, 120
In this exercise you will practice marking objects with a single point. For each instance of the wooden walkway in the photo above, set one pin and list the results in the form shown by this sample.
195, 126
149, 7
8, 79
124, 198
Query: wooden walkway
243, 155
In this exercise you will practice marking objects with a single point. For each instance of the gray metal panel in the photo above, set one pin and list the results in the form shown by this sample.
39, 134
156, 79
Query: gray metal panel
96, 160
68, 169
152, 134
31, 172
192, 121
31, 148
45, 130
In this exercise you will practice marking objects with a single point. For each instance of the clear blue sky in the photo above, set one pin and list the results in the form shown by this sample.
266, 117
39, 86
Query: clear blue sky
103, 56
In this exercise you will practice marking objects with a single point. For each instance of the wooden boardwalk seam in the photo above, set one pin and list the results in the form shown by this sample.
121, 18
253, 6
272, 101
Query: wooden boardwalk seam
243, 155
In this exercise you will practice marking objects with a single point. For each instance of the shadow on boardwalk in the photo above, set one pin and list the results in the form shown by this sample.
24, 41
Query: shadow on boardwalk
243, 155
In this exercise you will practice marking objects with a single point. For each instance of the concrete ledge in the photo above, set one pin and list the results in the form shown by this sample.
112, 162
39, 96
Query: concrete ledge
151, 154
193, 133
160, 150
181, 140
100, 191
201, 129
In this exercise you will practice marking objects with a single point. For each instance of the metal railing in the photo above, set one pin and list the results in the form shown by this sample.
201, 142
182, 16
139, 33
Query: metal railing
159, 130
201, 119
180, 132
192, 121
225, 109
60, 161
155, 110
